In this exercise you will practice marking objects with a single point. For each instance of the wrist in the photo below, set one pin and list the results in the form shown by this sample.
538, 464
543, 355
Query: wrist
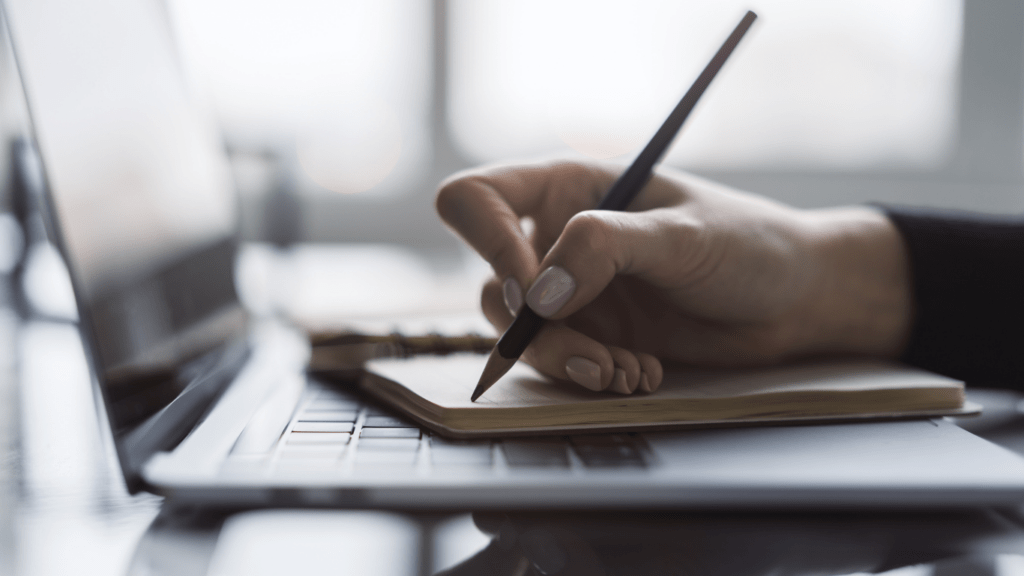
859, 299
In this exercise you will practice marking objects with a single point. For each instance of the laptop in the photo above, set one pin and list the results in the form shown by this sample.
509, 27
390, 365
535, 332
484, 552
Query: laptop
208, 404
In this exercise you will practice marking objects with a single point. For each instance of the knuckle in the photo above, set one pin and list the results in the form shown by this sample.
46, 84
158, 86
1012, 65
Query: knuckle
591, 230
582, 182
501, 256
490, 293
686, 241
680, 227
451, 196
569, 172
448, 196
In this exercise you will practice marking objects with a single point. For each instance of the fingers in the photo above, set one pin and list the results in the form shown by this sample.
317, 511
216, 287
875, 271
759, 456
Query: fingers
651, 374
489, 222
657, 245
627, 371
485, 208
557, 350
567, 354
634, 372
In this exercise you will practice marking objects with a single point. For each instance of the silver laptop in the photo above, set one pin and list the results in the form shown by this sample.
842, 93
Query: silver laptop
207, 404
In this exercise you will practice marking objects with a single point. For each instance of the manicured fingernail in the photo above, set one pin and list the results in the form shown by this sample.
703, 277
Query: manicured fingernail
542, 549
645, 383
619, 383
584, 372
551, 291
513, 294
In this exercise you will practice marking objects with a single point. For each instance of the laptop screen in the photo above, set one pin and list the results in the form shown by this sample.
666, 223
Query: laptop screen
138, 191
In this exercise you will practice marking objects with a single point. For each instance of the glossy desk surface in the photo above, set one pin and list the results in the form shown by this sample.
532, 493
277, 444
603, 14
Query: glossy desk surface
64, 509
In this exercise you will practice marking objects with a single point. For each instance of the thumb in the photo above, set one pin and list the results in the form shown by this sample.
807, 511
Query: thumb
596, 245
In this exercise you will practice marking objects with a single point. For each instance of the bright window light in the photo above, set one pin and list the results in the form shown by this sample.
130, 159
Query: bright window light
814, 85
342, 87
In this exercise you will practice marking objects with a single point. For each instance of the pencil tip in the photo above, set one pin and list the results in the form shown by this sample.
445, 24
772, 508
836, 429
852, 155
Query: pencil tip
481, 387
496, 367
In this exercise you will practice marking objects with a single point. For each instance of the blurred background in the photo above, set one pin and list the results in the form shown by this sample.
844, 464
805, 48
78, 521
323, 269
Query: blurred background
357, 108
340, 117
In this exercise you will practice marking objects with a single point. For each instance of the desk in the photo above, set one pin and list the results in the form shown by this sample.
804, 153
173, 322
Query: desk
64, 509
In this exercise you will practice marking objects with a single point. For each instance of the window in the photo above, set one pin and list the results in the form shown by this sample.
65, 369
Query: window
912, 101
337, 90
819, 85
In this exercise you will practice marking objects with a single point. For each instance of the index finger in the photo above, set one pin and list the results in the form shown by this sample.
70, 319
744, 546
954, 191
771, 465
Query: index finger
485, 207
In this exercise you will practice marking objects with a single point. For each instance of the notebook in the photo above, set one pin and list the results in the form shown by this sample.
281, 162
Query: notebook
435, 390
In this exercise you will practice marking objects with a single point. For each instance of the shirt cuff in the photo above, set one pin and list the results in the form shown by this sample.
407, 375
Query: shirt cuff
967, 273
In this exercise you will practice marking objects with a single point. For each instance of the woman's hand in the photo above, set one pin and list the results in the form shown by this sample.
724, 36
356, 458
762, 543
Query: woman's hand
694, 272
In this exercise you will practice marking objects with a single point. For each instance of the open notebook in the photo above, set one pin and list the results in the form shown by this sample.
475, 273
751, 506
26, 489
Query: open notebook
435, 392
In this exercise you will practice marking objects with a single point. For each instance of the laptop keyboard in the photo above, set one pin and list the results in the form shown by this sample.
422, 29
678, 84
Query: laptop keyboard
334, 431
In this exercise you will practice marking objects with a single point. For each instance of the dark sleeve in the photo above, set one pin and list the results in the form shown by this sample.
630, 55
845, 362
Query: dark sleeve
968, 283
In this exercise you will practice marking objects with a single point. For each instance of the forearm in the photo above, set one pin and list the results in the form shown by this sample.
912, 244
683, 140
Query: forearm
860, 298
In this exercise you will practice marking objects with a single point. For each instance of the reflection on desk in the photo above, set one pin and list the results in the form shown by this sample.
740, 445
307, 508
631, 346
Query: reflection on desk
736, 544
982, 542
69, 508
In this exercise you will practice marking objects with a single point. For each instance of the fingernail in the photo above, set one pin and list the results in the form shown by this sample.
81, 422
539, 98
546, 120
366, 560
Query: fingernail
543, 551
551, 291
513, 294
584, 372
645, 383
619, 383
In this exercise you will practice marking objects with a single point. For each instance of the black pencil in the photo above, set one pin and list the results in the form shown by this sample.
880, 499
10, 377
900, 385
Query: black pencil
528, 323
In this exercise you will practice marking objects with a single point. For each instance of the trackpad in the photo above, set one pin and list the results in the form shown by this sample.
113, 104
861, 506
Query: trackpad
927, 453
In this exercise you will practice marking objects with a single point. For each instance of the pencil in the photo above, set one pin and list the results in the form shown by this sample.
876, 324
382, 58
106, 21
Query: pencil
528, 323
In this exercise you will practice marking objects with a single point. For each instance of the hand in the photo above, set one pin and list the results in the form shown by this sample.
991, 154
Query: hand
694, 272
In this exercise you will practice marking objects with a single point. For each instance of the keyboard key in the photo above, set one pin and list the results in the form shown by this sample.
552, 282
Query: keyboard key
332, 404
387, 457
439, 442
323, 427
328, 452
384, 455
386, 422
388, 445
389, 433
318, 438
329, 416
608, 451
536, 453
374, 469
447, 452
